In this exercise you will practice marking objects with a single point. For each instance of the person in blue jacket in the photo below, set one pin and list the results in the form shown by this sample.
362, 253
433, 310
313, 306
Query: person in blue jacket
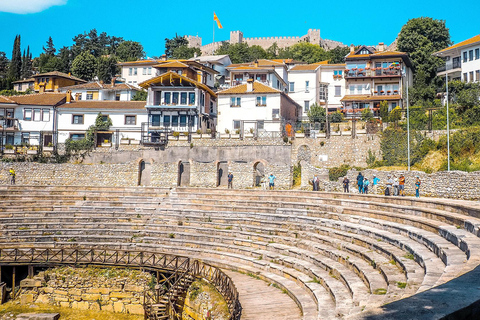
360, 182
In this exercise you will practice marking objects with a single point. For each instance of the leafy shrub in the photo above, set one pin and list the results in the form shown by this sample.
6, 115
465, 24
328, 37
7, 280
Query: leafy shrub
297, 174
338, 172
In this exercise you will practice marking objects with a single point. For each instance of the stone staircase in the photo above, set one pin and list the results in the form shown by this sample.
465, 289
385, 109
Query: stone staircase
336, 255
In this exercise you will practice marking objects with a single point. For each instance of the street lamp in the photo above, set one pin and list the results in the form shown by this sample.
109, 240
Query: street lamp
408, 124
448, 121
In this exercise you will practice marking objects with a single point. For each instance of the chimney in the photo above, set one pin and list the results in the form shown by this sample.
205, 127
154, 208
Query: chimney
250, 85
78, 95
256, 63
163, 57
113, 81
42, 88
381, 46
352, 48
69, 96
195, 54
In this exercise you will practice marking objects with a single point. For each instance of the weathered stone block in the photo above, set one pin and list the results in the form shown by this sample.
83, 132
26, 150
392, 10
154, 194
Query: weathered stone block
134, 308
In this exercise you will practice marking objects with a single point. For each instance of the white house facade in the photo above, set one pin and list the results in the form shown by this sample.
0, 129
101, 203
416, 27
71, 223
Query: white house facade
98, 91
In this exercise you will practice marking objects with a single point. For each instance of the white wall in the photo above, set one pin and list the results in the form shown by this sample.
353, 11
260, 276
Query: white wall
247, 112
125, 95
470, 65
139, 77
326, 76
34, 126
300, 95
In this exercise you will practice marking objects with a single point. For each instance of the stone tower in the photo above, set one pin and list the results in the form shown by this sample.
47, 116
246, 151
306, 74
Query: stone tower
236, 37
314, 36
194, 41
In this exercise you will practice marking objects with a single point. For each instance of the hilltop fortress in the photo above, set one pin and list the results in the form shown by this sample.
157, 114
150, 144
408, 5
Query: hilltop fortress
312, 36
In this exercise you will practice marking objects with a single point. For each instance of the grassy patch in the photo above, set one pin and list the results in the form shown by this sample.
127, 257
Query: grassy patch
252, 275
402, 285
380, 291
409, 256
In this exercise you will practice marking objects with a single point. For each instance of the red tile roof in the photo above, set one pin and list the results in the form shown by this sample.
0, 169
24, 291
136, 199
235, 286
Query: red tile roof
242, 89
100, 105
467, 42
99, 86
39, 99
58, 74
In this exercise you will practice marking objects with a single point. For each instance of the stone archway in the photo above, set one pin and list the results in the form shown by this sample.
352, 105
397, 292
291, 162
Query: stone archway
183, 174
144, 172
258, 173
222, 173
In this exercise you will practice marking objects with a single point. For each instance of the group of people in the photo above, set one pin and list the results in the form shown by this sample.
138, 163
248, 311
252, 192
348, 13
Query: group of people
393, 186
271, 181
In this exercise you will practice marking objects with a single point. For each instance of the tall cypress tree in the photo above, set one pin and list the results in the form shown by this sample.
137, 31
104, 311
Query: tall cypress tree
15, 69
27, 64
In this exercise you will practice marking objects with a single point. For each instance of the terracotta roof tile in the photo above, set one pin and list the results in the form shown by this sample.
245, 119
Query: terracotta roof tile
58, 74
100, 105
4, 99
472, 40
98, 86
40, 99
242, 89
305, 67
171, 64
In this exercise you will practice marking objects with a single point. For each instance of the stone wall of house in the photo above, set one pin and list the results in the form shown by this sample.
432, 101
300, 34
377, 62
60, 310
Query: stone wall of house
88, 289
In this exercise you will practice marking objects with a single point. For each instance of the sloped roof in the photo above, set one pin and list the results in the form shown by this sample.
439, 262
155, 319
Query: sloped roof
98, 86
101, 105
171, 64
172, 76
24, 80
259, 63
242, 89
58, 74
305, 67
472, 40
4, 99
39, 99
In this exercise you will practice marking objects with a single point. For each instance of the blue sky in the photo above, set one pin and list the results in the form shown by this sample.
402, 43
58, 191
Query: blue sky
150, 22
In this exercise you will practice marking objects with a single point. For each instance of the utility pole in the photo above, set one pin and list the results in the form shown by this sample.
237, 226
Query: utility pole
408, 129
448, 124
327, 124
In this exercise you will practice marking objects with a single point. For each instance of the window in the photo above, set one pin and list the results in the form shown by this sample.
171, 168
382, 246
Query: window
292, 87
27, 114
167, 98
477, 54
77, 119
306, 103
465, 56
261, 101
130, 70
175, 98
166, 121
174, 121
275, 114
260, 124
307, 86
352, 89
183, 120
144, 71
394, 105
45, 115
104, 118
338, 91
236, 124
465, 77
77, 136
471, 76
26, 137
89, 95
470, 55
117, 97
134, 71
37, 114
235, 102
130, 120
149, 70
191, 98
477, 75
183, 98
323, 91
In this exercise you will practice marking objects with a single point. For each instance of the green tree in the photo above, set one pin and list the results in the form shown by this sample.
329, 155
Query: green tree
384, 111
316, 113
84, 66
308, 52
50, 48
140, 96
257, 52
130, 51
338, 54
106, 68
393, 145
272, 51
27, 64
238, 52
65, 60
46, 63
335, 117
367, 115
15, 68
3, 70
172, 44
184, 52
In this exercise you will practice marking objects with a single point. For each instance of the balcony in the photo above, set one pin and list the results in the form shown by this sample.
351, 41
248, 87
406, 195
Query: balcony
457, 64
373, 72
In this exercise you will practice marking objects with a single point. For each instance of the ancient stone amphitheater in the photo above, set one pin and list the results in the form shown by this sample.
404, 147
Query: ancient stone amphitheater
272, 254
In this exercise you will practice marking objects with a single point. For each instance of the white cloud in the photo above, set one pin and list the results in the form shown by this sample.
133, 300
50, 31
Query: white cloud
28, 6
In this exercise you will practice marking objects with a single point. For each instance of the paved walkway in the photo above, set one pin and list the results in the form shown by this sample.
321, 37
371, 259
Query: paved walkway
260, 301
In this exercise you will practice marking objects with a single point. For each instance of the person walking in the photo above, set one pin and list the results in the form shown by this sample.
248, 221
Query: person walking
389, 184
230, 180
401, 185
376, 180
316, 183
271, 181
13, 175
395, 186
345, 184
366, 183
417, 186
360, 182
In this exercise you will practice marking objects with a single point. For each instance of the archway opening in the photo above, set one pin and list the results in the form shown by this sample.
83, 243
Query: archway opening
258, 173
183, 174
222, 173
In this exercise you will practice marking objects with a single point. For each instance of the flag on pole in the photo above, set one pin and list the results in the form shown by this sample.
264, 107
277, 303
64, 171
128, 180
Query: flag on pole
218, 21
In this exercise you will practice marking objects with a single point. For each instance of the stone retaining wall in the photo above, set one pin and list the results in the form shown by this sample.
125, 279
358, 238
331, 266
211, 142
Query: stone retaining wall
84, 290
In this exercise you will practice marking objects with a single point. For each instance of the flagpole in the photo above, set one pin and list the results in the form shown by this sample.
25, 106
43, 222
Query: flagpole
213, 33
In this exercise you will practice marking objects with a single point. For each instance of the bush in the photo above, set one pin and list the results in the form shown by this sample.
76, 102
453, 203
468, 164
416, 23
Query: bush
176, 134
297, 174
338, 172
371, 158
199, 131
9, 147
336, 117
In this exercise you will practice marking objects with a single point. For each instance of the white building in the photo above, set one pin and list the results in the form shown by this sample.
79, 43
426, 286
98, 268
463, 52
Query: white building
99, 91
255, 106
76, 117
268, 72
217, 63
462, 60
319, 83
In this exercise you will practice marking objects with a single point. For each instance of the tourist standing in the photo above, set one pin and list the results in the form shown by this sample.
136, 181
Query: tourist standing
230, 180
345, 184
401, 185
389, 184
264, 182
395, 186
13, 175
417, 186
316, 183
376, 180
271, 181
360, 182
366, 183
